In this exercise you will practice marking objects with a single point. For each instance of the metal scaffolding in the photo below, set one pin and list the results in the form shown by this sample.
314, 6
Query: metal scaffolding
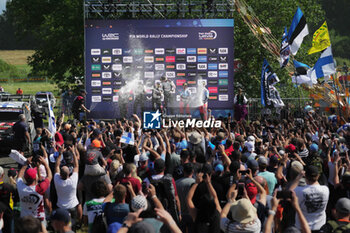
160, 9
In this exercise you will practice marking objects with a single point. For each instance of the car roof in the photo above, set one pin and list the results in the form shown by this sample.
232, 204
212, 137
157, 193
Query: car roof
12, 104
43, 92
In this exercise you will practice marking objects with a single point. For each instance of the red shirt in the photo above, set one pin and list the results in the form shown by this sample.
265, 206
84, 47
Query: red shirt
135, 183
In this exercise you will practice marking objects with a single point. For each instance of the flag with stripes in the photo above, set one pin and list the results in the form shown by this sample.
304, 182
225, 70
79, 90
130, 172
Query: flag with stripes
285, 49
324, 66
270, 96
297, 31
52, 119
300, 76
128, 138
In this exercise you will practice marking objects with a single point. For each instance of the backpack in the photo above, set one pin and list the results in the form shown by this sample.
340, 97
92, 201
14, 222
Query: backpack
317, 162
166, 194
339, 228
99, 225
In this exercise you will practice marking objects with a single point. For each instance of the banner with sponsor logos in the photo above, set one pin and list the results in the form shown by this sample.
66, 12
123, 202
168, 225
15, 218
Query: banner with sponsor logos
124, 59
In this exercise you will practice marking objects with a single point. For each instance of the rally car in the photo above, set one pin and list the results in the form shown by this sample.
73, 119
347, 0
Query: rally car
41, 100
9, 112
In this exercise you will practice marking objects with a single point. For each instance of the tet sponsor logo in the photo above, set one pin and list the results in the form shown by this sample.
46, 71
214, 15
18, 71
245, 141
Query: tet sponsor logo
212, 74
106, 91
95, 51
149, 74
95, 59
223, 50
110, 36
181, 66
201, 66
159, 51
106, 74
191, 59
212, 66
170, 59
223, 97
202, 58
106, 59
149, 59
159, 67
213, 90
96, 75
180, 51
95, 83
95, 67
170, 74
117, 67
202, 50
223, 74
128, 59
96, 99
180, 82
191, 51
223, 82
117, 51
223, 66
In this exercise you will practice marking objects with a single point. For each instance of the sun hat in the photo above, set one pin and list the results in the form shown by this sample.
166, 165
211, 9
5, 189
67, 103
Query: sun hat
139, 202
194, 137
243, 211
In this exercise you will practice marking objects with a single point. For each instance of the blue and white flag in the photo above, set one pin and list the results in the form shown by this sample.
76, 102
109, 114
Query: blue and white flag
300, 76
285, 49
324, 66
297, 31
270, 96
52, 119
128, 138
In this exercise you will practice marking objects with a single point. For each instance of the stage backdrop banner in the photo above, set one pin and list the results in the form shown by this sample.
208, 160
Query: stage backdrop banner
120, 55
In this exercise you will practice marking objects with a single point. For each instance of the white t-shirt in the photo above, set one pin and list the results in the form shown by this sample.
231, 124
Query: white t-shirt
31, 201
66, 191
228, 226
313, 201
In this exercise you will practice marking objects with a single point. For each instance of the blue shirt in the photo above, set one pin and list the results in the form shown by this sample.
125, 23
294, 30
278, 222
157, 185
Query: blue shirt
115, 212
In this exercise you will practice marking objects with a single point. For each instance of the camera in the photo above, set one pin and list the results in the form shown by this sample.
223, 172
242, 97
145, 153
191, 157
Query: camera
284, 194
244, 172
240, 188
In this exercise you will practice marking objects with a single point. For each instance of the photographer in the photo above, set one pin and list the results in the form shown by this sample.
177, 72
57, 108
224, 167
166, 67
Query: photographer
31, 192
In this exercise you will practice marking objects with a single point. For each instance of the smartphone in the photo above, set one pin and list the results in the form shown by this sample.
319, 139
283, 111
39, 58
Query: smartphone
284, 194
144, 187
244, 172
240, 189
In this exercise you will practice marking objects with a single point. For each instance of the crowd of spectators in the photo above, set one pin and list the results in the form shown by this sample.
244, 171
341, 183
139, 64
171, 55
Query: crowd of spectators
290, 175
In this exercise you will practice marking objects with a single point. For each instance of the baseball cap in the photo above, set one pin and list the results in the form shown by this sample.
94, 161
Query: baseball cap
96, 143
281, 152
61, 215
139, 202
290, 148
311, 171
262, 161
30, 174
314, 147
343, 205
297, 167
253, 164
143, 157
219, 168
251, 139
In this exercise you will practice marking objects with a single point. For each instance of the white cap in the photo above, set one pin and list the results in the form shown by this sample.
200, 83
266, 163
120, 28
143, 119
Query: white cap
250, 146
251, 139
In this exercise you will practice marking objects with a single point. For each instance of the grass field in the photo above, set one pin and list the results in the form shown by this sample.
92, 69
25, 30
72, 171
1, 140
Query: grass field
16, 57
30, 87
